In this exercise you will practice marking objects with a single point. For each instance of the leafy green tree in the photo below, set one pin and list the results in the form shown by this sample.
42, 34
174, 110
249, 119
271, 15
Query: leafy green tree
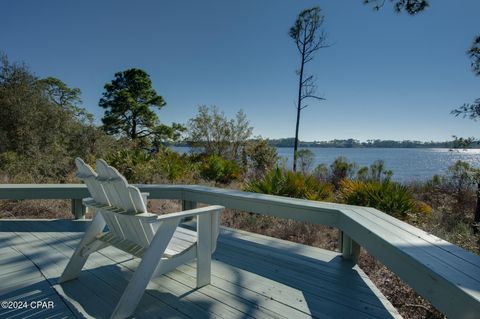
463, 143
212, 132
59, 93
129, 101
309, 37
474, 54
39, 138
65, 97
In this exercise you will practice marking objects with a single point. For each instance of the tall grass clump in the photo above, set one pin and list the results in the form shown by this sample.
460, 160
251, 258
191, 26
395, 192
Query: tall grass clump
291, 184
220, 170
390, 197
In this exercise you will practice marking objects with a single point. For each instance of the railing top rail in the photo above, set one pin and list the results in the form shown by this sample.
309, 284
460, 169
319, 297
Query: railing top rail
446, 275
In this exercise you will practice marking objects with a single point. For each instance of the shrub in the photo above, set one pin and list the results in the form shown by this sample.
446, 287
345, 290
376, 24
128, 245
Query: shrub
390, 197
462, 177
215, 168
140, 166
291, 184
173, 166
212, 132
322, 173
305, 159
260, 157
376, 172
135, 164
341, 169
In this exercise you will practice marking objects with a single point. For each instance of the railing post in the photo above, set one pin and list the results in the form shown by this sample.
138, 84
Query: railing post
186, 205
78, 210
350, 249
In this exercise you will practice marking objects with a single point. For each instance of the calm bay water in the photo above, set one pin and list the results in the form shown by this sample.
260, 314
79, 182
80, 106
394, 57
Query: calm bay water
407, 164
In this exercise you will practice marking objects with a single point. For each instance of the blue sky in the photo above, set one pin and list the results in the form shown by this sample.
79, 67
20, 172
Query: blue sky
386, 75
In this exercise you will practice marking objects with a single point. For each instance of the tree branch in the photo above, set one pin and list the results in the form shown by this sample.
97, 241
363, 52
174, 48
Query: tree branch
313, 97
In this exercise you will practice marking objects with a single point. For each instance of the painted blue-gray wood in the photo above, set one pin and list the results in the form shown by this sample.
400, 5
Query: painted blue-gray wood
253, 276
443, 273
78, 209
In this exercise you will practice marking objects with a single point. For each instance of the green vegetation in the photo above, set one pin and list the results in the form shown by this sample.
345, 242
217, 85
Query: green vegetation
46, 127
212, 133
291, 184
217, 169
389, 197
129, 101
42, 128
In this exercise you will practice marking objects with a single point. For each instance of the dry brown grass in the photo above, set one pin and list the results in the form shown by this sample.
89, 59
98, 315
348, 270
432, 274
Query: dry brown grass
39, 208
407, 302
287, 229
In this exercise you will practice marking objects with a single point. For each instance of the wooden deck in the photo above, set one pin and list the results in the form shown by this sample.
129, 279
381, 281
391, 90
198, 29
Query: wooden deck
253, 277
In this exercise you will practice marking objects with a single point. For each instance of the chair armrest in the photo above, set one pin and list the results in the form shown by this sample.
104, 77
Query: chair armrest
192, 212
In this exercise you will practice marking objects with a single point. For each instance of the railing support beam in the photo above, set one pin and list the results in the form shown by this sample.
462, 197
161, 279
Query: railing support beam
186, 205
78, 209
350, 249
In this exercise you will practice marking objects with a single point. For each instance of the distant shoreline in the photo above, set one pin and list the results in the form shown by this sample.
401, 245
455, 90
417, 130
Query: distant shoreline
353, 143
361, 147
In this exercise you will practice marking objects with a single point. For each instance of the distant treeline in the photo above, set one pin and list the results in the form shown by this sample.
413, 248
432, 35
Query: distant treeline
353, 143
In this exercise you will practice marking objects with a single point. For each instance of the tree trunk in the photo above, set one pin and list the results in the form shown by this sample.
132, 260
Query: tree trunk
476, 218
295, 146
133, 133
299, 108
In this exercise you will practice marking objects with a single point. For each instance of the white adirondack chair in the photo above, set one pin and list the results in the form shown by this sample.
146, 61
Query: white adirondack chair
157, 240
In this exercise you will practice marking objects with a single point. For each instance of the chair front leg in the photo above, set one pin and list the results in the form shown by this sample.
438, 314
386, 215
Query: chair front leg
151, 260
204, 249
78, 260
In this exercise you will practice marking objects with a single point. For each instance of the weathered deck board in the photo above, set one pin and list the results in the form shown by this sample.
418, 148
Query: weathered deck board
21, 280
253, 277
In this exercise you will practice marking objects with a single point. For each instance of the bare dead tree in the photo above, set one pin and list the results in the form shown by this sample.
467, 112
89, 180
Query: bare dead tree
309, 37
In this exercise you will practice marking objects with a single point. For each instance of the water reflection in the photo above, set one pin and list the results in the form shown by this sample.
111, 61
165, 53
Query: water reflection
406, 163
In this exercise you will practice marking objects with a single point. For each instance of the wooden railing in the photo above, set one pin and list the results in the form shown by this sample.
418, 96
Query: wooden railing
445, 274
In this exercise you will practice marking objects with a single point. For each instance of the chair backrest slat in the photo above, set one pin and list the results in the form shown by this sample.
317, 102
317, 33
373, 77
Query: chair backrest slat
88, 176
103, 179
116, 187
137, 199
